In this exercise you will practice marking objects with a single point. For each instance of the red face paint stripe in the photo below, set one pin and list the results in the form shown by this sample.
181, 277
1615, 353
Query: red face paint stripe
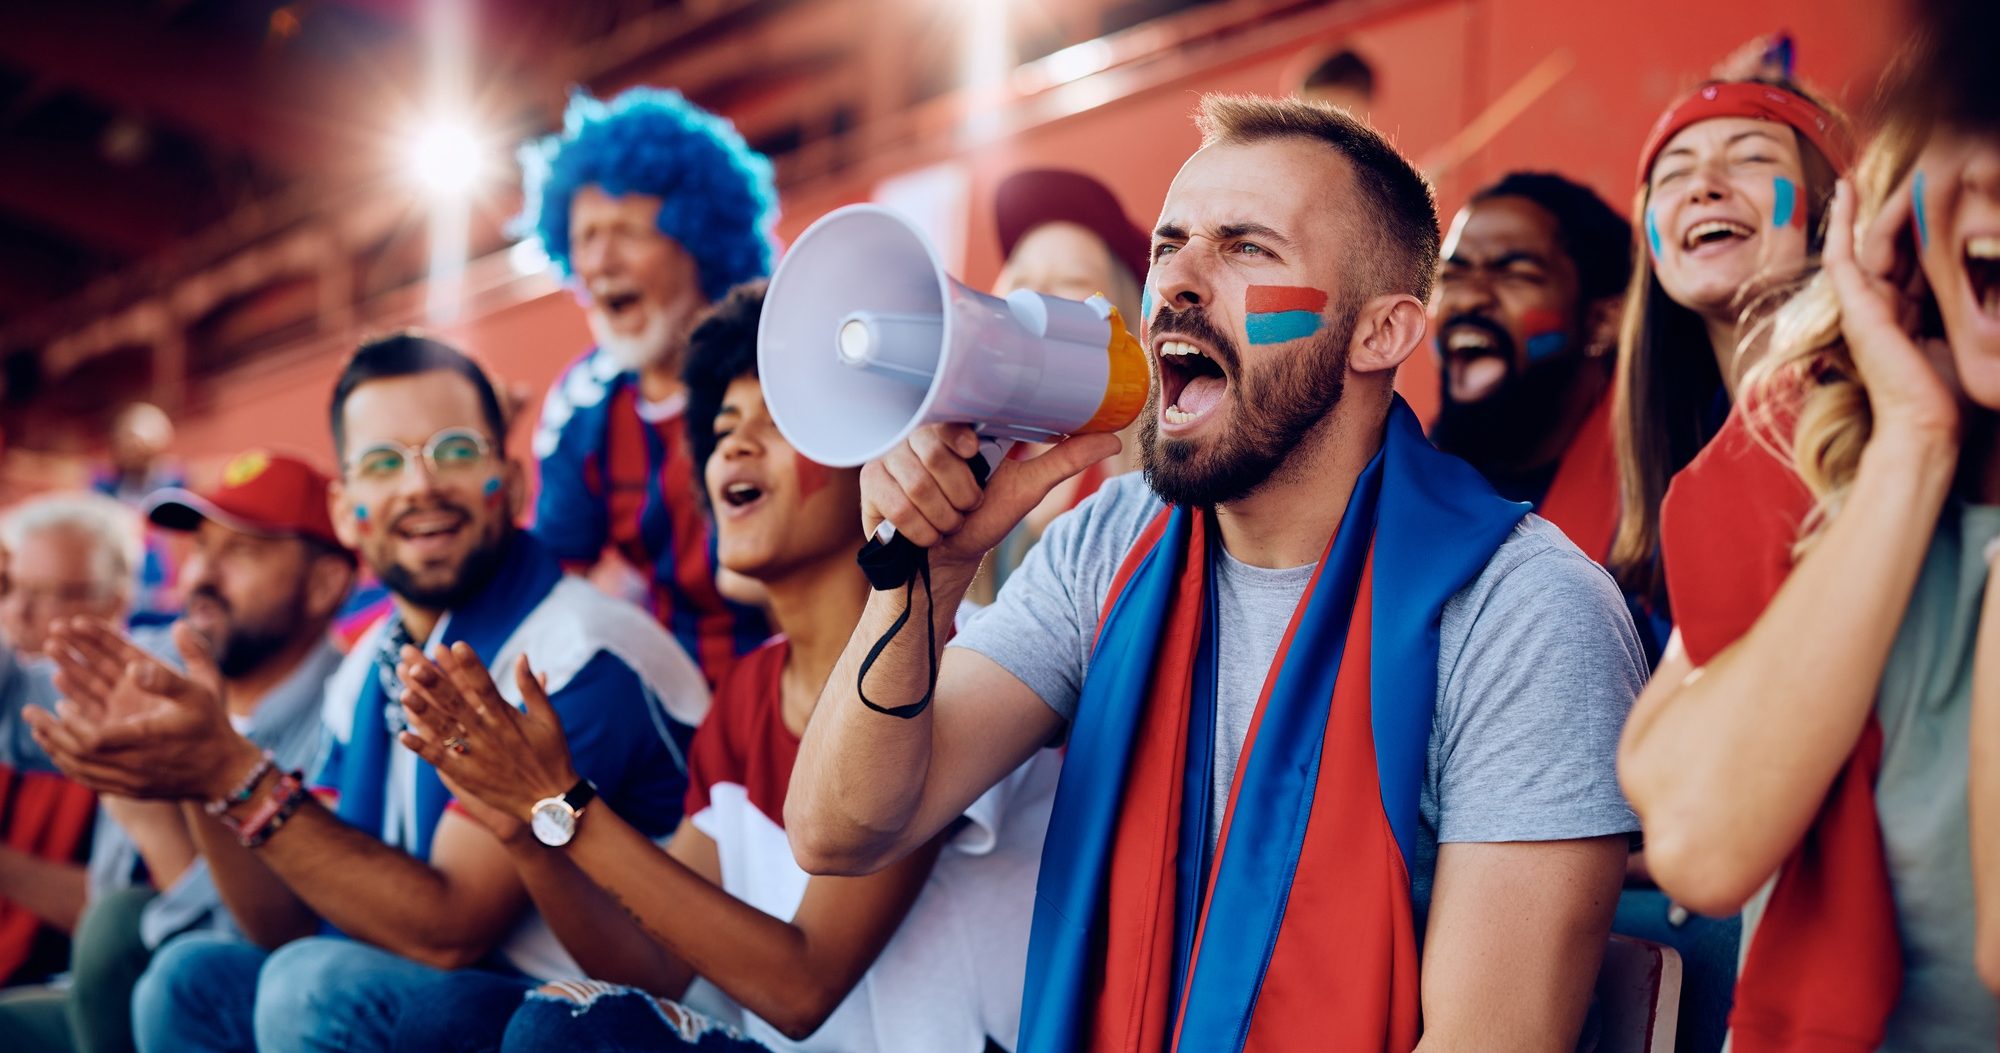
813, 476
1264, 299
1538, 320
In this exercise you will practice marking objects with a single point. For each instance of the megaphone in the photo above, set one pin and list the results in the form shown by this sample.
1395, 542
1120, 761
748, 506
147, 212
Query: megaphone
864, 338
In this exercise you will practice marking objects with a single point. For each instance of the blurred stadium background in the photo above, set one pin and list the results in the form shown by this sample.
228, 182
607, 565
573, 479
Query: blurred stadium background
204, 203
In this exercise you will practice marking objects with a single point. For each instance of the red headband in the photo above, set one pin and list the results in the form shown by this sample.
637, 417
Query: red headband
1762, 102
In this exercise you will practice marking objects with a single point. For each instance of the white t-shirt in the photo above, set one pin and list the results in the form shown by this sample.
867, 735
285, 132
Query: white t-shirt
953, 973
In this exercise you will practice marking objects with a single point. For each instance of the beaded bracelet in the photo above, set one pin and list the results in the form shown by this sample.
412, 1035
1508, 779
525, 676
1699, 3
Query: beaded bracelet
243, 790
286, 795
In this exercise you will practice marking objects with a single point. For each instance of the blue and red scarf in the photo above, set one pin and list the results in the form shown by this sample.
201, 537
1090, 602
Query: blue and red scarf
1315, 939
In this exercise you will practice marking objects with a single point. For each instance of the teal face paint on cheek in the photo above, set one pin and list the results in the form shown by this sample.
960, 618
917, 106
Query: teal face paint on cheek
1145, 308
1784, 202
493, 490
1917, 211
1653, 233
361, 522
1276, 314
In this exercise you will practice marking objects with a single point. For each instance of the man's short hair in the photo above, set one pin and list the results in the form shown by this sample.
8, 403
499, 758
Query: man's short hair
1597, 238
717, 199
407, 354
1397, 210
1343, 69
721, 350
111, 529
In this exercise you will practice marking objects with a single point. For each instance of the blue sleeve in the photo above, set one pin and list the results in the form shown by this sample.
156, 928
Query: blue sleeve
22, 685
622, 740
325, 772
569, 517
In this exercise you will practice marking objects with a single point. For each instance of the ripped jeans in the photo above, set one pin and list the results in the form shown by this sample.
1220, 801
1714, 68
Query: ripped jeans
593, 1017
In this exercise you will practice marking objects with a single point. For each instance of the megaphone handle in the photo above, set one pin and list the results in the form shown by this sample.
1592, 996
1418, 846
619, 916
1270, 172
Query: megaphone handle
889, 559
892, 561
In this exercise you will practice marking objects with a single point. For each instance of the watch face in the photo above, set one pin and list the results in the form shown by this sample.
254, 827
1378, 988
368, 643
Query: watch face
553, 822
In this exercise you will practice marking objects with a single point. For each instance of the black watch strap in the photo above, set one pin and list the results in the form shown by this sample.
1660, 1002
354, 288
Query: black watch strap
579, 795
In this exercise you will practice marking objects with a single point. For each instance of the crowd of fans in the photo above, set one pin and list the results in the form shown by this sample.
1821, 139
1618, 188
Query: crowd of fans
1280, 721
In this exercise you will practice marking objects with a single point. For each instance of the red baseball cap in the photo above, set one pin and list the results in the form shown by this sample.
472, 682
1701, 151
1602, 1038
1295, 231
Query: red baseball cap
1027, 200
262, 493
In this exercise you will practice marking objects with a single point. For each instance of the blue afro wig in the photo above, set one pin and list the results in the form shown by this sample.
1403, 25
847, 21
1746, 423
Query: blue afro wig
717, 198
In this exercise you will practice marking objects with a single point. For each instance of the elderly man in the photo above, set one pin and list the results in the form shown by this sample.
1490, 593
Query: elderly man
653, 208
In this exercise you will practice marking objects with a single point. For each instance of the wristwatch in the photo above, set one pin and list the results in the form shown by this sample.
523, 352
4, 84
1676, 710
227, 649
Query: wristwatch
554, 818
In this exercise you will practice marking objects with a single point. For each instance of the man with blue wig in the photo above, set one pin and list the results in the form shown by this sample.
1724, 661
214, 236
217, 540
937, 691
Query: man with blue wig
652, 209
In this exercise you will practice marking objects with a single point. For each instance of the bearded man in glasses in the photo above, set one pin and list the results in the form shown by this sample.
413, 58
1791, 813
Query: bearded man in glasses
406, 886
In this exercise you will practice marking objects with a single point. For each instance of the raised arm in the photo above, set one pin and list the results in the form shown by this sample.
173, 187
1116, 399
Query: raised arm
1727, 764
868, 787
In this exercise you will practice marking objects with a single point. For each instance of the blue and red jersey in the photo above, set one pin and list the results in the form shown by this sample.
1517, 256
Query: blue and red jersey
617, 473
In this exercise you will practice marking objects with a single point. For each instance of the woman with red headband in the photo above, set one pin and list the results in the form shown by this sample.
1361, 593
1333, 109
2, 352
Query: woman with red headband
1733, 183
1820, 746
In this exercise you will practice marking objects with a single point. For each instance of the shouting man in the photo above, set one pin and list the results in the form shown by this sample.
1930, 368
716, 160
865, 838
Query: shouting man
1319, 683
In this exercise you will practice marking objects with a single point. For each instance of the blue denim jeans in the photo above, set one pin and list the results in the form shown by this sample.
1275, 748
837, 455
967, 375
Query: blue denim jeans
593, 1017
221, 994
461, 1012
198, 992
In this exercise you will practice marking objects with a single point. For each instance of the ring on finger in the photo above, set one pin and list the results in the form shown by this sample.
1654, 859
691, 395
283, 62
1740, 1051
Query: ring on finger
455, 744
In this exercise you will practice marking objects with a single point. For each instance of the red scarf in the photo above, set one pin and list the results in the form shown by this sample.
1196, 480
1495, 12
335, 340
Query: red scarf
1824, 968
1583, 497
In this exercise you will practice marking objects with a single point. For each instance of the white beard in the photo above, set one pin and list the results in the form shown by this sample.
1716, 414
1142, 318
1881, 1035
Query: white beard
638, 351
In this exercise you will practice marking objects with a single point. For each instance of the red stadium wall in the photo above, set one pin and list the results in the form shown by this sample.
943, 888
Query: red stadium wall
1438, 64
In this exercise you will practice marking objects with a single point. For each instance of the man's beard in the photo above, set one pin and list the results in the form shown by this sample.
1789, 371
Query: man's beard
245, 648
473, 575
1506, 429
474, 572
640, 350
1271, 412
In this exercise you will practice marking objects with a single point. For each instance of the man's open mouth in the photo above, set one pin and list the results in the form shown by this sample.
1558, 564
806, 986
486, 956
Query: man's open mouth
1191, 383
619, 303
1478, 356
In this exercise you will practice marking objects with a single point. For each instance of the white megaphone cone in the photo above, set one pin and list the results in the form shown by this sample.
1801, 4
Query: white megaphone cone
864, 338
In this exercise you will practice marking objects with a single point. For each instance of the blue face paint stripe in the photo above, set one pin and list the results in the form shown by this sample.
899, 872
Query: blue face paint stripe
1277, 327
1917, 211
1145, 307
1784, 199
1653, 233
1542, 345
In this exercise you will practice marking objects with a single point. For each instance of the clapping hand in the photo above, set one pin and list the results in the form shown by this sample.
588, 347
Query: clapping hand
130, 725
496, 759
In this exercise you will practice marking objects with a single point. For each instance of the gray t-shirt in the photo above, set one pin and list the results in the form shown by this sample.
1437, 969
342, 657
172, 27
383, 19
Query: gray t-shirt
1538, 665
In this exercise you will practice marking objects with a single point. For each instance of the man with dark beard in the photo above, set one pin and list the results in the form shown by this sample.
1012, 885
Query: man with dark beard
1341, 721
1525, 317
263, 576
428, 497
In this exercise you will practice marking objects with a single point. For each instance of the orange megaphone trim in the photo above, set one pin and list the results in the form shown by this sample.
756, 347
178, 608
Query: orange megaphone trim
1126, 384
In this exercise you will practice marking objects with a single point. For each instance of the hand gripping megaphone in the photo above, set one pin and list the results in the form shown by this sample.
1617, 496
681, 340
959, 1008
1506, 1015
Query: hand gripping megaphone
864, 338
